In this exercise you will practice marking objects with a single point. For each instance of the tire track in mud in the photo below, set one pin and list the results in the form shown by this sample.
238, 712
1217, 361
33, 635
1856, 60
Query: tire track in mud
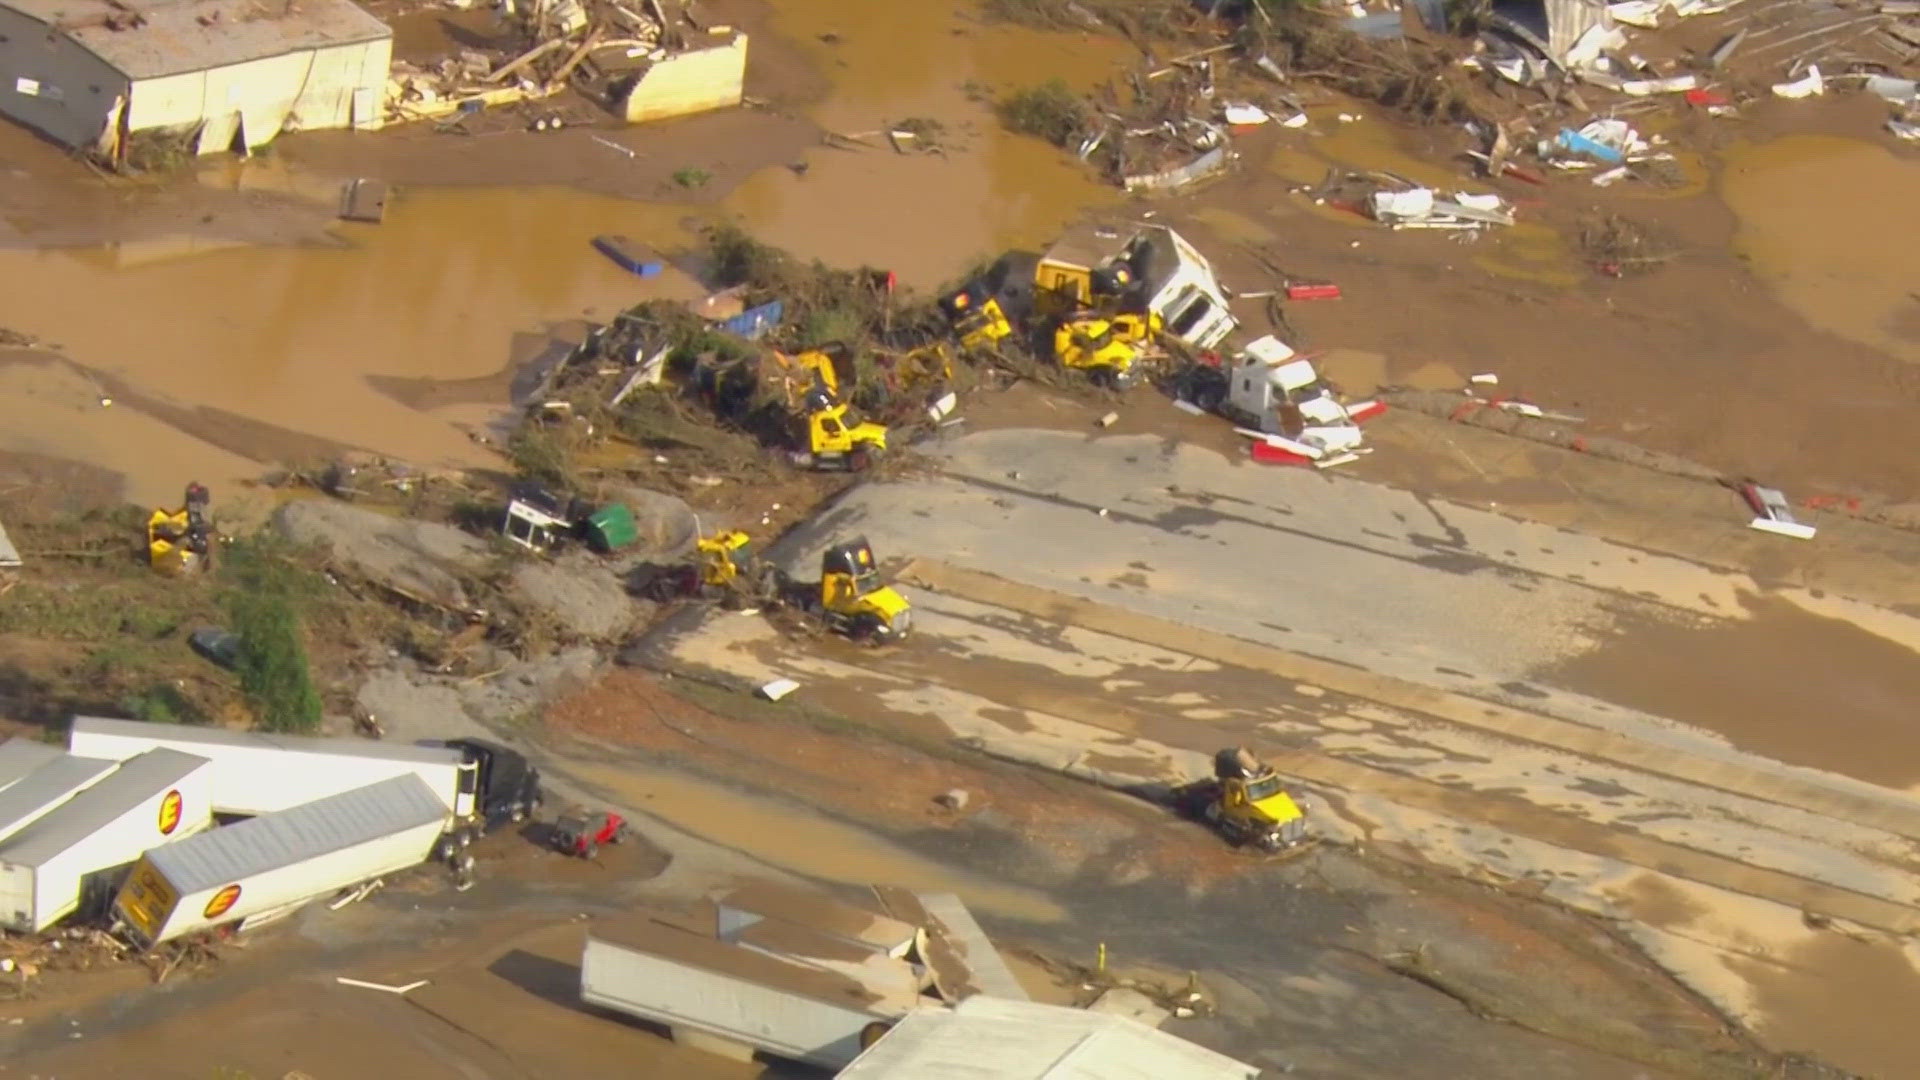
1888, 811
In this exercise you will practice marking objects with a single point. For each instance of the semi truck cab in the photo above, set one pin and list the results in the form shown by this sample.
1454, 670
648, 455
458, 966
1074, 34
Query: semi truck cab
502, 784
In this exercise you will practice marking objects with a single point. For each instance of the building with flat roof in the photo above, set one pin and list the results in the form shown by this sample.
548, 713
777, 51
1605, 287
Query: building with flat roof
208, 75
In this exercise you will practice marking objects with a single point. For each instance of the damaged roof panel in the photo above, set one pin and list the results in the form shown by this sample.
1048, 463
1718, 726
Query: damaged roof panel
173, 37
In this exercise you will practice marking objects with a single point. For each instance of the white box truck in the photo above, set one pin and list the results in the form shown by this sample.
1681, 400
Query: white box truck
74, 858
280, 860
258, 773
45, 787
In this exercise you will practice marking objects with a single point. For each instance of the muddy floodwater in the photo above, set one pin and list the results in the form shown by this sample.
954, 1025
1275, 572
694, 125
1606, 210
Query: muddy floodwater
1830, 224
925, 215
805, 843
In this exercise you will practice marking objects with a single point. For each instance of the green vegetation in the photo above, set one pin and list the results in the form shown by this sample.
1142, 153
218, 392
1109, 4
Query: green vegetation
266, 593
1050, 111
691, 177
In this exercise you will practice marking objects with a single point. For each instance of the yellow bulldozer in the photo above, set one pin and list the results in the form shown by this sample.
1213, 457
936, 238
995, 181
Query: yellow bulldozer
1246, 801
833, 442
723, 567
850, 596
179, 541
1074, 311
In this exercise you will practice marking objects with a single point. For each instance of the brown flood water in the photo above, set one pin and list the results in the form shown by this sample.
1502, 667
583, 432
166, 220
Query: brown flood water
1830, 224
287, 336
1797, 687
925, 216
1849, 1001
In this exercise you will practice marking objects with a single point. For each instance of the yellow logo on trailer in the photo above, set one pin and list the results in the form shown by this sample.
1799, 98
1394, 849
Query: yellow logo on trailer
147, 899
222, 901
169, 813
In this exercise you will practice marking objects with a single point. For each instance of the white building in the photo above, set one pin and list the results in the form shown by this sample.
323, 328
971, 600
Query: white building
225, 74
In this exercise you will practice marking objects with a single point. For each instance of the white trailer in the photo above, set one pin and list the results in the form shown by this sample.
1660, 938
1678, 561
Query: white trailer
740, 997
256, 773
76, 856
19, 757
49, 784
280, 860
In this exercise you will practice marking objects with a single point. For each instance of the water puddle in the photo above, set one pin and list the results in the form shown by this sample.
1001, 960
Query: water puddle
1849, 1001
1798, 687
927, 217
776, 833
1829, 224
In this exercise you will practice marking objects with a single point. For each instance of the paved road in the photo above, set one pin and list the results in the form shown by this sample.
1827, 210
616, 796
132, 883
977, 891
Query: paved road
1128, 605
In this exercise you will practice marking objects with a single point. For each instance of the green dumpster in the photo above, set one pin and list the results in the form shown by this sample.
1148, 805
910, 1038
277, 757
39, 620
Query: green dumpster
611, 528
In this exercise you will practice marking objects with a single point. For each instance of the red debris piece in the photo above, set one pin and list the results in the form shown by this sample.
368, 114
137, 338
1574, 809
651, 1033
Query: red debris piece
1313, 292
1269, 454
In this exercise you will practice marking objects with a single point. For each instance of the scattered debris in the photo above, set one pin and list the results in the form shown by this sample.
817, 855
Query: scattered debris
1774, 515
629, 255
1811, 84
953, 799
364, 985
1109, 420
364, 200
1423, 208
778, 688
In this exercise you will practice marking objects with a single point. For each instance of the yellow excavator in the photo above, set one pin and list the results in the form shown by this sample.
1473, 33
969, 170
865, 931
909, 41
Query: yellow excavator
1248, 804
181, 540
833, 442
850, 596
724, 566
1108, 348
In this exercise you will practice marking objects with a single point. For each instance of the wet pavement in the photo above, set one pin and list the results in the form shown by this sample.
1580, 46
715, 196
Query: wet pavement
1131, 613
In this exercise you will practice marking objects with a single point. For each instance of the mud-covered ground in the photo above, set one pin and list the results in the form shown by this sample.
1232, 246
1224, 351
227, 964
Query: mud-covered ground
1779, 340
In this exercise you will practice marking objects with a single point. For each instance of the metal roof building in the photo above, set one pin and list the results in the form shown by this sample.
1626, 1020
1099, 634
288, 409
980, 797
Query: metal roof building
215, 74
985, 1038
291, 837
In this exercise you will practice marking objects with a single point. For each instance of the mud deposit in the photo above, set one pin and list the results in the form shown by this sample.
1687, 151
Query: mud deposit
1849, 708
1833, 995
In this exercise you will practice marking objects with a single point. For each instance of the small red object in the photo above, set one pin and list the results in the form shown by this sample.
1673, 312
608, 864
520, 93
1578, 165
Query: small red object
1313, 292
1366, 411
1272, 455
1697, 96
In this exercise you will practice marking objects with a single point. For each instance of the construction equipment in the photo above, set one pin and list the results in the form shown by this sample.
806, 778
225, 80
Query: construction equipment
1150, 270
1246, 801
724, 565
833, 443
1110, 349
850, 597
181, 540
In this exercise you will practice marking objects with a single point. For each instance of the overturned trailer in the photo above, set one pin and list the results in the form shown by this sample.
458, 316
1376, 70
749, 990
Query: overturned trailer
43, 785
274, 863
73, 859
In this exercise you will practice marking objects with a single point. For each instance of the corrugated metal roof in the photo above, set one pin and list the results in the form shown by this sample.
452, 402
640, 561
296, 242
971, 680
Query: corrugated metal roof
52, 782
175, 36
985, 1038
19, 757
189, 735
138, 779
271, 841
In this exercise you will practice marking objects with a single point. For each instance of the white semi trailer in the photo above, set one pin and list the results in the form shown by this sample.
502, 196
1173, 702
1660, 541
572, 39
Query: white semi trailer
280, 860
73, 858
42, 788
258, 773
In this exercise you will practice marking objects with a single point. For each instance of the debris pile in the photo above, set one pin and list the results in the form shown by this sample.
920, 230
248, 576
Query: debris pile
606, 49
